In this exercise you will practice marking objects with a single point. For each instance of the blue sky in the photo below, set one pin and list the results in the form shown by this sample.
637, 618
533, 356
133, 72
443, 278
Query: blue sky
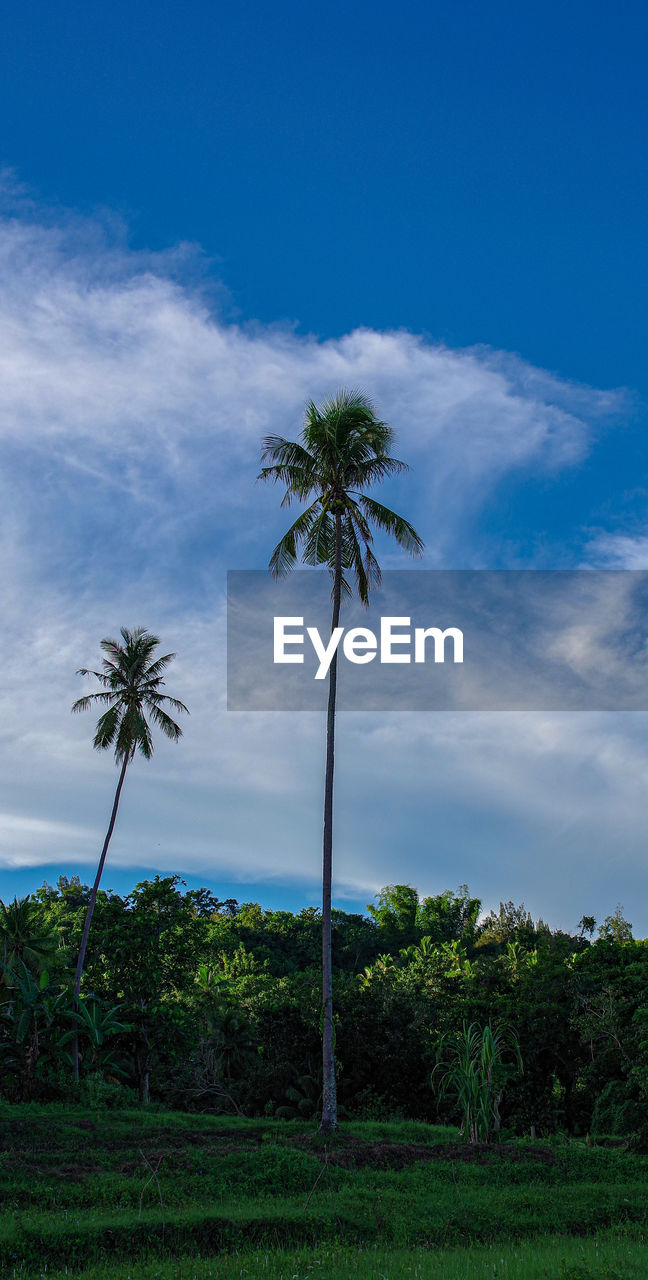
210, 215
476, 172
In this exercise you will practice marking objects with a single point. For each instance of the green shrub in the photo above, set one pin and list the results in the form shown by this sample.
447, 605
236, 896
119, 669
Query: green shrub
617, 1110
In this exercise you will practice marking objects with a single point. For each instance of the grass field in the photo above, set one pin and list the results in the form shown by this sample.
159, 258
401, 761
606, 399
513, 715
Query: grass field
161, 1195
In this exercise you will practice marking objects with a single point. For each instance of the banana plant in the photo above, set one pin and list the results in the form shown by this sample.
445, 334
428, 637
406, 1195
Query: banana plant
96, 1024
32, 1030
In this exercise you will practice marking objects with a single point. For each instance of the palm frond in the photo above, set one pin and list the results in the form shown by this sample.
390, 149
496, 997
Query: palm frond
154, 669
319, 546
139, 638
298, 482
87, 700
290, 464
343, 420
359, 569
372, 571
399, 528
173, 702
99, 675
111, 647
282, 453
286, 552
134, 735
364, 472
107, 729
166, 724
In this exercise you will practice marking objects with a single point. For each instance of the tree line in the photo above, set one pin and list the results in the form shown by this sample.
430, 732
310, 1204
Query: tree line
215, 1006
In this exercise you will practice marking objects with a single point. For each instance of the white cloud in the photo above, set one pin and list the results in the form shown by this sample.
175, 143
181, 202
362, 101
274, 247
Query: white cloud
619, 551
130, 421
119, 375
23, 834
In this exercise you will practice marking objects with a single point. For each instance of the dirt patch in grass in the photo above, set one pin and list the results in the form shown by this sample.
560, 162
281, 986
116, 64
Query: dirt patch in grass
350, 1152
153, 1141
72, 1172
487, 1152
167, 1142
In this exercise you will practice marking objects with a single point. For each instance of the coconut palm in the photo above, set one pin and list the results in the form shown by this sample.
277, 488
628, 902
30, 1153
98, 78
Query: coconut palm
343, 451
131, 688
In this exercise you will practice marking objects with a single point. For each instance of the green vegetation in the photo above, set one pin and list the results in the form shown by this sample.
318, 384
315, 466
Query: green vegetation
475, 1075
218, 1006
212, 1006
608, 1257
146, 1192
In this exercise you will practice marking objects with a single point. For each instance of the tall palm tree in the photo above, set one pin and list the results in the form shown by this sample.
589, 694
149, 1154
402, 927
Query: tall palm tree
131, 685
343, 450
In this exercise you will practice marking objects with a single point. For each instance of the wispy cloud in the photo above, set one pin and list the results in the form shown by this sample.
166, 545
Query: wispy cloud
33, 840
127, 383
131, 411
619, 550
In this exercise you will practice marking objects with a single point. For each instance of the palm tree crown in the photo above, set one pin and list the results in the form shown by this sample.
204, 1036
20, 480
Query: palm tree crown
343, 450
131, 687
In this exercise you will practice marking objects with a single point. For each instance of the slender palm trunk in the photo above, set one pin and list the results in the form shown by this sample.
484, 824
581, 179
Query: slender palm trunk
329, 1100
90, 911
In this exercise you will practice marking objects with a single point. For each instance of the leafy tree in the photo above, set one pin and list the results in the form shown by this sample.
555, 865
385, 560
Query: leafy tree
609, 984
448, 916
616, 928
355, 940
506, 925
404, 918
343, 450
586, 924
394, 911
150, 948
131, 687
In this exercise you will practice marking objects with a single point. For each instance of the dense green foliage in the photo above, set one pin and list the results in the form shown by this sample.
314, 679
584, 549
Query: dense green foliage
215, 1007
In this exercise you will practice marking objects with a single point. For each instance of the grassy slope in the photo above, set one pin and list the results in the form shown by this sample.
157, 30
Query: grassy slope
87, 1189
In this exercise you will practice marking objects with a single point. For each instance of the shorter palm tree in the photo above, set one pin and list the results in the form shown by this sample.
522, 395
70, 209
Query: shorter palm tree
131, 688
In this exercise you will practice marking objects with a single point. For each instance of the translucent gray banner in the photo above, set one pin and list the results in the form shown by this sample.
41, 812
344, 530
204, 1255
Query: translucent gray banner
444, 640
